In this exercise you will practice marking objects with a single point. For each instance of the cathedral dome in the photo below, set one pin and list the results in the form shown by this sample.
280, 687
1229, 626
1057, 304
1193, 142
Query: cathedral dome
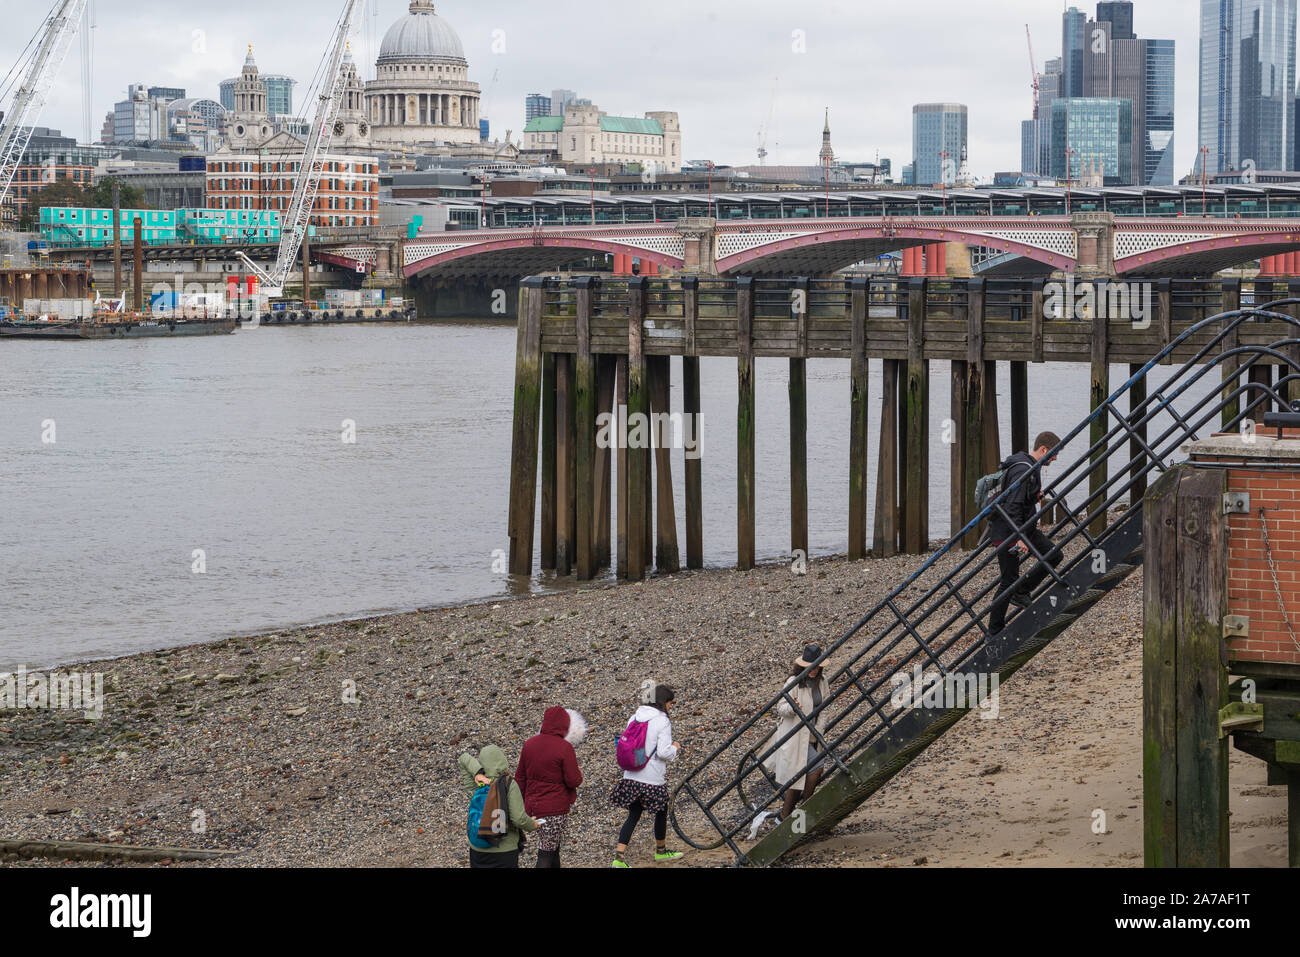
421, 35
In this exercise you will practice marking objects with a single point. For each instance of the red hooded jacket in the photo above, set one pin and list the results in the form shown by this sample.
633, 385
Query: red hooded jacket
548, 772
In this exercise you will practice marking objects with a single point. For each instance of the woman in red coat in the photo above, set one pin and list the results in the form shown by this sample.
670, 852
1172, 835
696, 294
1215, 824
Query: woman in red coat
549, 777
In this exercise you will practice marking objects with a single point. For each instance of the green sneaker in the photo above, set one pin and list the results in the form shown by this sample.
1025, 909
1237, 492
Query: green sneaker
619, 862
667, 856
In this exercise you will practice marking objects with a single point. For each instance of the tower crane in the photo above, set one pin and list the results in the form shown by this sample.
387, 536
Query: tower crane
766, 127
1033, 68
56, 36
312, 166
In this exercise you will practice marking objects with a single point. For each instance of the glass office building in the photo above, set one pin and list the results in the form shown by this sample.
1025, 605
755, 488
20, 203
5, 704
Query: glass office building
1248, 78
1158, 142
1073, 43
939, 132
535, 105
1090, 130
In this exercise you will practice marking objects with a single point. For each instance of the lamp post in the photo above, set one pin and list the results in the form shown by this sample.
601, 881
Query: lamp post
943, 182
1205, 174
1069, 173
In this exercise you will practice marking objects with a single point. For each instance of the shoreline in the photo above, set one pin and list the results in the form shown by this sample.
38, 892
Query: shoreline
254, 737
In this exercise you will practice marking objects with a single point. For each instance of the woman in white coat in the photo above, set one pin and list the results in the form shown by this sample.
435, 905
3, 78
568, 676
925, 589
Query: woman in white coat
809, 688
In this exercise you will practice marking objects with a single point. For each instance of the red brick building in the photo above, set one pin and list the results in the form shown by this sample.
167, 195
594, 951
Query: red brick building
348, 195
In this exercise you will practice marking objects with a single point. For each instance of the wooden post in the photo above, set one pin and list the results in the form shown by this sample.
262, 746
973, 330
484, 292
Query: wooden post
694, 477
745, 504
624, 485
858, 398
523, 458
1229, 367
1099, 392
1136, 453
667, 556
605, 371
972, 425
548, 461
917, 481
1019, 406
638, 404
566, 460
1165, 315
1184, 679
885, 534
958, 511
992, 420
1036, 319
584, 401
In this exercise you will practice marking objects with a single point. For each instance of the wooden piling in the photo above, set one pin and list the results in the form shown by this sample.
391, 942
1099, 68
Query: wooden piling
1165, 315
523, 459
992, 420
972, 423
584, 402
858, 399
667, 556
624, 485
917, 482
1019, 406
1136, 452
745, 499
1229, 367
1184, 678
605, 374
1099, 392
958, 512
638, 404
548, 462
694, 472
566, 460
885, 533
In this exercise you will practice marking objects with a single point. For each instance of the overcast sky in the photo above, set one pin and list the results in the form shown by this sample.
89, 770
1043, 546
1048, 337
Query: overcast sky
714, 62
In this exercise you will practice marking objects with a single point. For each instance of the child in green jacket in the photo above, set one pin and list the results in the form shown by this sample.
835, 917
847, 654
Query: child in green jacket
490, 764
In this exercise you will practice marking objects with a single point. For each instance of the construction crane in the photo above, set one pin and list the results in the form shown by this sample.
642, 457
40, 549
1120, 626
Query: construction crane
1033, 68
312, 166
56, 36
763, 130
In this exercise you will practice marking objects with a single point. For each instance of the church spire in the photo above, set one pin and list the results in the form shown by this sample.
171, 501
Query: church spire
827, 155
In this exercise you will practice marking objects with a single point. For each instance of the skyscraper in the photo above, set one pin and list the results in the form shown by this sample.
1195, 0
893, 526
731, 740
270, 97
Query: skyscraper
1120, 16
938, 140
1248, 83
535, 105
1074, 25
1090, 131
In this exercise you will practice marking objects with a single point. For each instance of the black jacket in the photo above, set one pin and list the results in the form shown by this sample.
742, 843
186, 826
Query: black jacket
1021, 505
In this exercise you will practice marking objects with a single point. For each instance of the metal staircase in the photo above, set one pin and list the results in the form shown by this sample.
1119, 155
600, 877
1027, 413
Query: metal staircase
938, 618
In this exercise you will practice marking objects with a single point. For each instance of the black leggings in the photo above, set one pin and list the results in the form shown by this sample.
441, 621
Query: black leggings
634, 815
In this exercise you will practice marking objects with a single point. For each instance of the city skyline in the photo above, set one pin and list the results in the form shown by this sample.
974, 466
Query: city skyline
822, 59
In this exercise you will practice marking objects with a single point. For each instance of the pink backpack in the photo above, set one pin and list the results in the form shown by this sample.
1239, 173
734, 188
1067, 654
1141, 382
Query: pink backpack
630, 751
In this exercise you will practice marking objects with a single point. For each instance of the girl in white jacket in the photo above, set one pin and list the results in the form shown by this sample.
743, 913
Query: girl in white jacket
647, 788
808, 687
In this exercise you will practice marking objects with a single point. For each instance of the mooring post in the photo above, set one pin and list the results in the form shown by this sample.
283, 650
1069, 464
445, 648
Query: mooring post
858, 398
1165, 315
745, 504
638, 404
624, 485
605, 372
1184, 676
992, 419
1099, 392
957, 511
916, 484
1036, 319
549, 471
1229, 367
972, 438
667, 555
885, 533
523, 459
584, 400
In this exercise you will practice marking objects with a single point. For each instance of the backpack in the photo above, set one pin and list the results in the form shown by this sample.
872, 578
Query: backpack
486, 808
630, 750
988, 488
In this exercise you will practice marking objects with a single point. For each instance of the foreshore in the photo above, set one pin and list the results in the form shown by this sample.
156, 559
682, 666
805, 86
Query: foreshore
336, 745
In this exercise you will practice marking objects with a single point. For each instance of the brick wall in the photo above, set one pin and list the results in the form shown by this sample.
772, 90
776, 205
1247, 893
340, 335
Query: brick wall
1251, 592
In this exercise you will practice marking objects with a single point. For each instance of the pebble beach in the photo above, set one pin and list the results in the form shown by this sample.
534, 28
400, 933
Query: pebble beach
336, 745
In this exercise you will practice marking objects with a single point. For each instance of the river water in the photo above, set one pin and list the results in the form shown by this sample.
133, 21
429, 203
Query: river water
200, 488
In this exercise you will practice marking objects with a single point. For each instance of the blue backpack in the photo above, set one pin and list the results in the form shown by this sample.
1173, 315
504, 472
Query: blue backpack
481, 834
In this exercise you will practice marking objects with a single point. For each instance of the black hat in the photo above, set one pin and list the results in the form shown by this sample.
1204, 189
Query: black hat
810, 654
